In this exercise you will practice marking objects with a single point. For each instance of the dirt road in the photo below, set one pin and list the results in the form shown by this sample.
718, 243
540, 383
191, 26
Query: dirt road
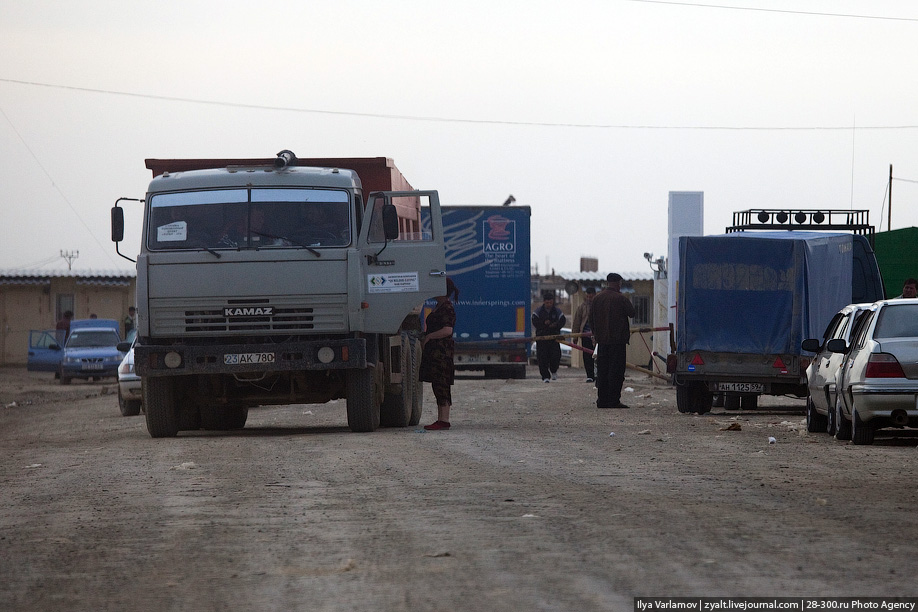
528, 503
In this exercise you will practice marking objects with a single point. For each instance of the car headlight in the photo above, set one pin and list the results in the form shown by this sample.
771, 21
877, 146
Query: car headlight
126, 368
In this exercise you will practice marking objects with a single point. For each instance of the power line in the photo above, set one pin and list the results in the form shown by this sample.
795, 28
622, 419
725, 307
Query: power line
606, 126
771, 10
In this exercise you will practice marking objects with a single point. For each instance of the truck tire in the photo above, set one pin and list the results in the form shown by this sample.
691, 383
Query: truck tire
396, 407
362, 402
159, 405
128, 407
417, 396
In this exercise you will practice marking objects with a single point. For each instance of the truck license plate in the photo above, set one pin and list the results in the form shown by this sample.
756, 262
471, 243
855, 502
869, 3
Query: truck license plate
245, 358
741, 387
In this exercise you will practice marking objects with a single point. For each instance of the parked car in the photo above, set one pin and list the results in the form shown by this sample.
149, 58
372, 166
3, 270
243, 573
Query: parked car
823, 369
129, 397
878, 379
565, 351
91, 350
45, 350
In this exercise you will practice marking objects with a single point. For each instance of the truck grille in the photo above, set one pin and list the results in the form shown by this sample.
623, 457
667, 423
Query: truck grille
205, 317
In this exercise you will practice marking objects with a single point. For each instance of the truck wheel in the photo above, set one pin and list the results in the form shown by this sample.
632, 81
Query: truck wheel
160, 408
842, 425
362, 403
518, 371
417, 396
815, 422
861, 431
749, 402
396, 407
731, 402
128, 407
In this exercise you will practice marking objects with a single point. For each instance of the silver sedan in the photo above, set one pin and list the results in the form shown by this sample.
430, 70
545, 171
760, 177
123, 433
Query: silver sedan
129, 396
878, 379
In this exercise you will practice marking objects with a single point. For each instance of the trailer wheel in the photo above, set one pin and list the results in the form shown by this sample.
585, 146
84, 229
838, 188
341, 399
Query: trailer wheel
128, 407
815, 422
417, 395
693, 397
160, 408
749, 402
732, 402
397, 407
362, 402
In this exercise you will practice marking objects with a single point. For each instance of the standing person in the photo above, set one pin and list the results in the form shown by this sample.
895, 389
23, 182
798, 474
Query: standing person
611, 332
64, 323
909, 288
129, 320
582, 326
548, 321
437, 357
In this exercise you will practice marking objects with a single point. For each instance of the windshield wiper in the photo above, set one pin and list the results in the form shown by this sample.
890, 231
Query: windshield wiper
290, 240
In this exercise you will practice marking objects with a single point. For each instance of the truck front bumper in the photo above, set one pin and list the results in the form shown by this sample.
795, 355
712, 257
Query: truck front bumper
185, 359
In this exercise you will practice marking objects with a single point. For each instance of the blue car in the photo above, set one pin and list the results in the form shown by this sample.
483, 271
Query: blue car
91, 350
45, 350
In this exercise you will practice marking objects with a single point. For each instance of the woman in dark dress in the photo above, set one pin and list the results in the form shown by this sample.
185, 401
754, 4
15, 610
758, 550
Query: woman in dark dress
437, 357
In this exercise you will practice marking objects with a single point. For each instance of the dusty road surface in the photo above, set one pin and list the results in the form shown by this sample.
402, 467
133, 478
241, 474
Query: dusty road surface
528, 503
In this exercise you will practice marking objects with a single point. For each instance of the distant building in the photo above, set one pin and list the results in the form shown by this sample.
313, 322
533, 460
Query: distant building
33, 299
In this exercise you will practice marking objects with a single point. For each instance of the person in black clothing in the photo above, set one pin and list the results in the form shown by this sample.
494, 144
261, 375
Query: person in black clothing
548, 321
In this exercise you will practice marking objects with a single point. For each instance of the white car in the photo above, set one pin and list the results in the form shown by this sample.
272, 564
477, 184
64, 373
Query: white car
878, 379
823, 369
129, 397
565, 350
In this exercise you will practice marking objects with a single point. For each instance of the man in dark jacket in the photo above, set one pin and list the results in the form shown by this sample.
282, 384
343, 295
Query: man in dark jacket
611, 333
548, 321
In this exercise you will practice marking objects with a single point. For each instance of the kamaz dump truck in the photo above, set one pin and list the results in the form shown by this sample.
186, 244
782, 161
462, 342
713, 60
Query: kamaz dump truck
278, 281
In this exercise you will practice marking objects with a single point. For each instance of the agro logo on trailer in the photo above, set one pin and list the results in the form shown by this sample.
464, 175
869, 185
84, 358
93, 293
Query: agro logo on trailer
248, 311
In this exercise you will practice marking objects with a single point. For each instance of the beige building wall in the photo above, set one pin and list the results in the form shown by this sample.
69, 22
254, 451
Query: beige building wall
31, 304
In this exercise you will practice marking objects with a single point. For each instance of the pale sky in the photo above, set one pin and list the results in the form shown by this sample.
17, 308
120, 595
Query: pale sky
589, 112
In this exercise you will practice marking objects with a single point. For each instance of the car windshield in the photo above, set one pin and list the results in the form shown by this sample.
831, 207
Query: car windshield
897, 321
250, 219
92, 338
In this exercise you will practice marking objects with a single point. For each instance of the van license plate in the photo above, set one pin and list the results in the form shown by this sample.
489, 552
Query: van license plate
741, 387
246, 358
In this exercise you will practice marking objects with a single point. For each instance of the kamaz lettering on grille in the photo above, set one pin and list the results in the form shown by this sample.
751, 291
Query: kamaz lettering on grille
255, 311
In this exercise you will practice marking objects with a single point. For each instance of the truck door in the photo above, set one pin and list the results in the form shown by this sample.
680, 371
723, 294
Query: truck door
398, 275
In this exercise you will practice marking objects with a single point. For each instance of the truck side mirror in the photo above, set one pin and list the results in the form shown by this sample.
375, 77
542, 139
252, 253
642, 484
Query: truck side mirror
117, 224
390, 221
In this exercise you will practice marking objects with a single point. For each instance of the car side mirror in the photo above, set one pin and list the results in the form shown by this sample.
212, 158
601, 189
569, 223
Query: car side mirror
390, 221
837, 345
123, 347
811, 345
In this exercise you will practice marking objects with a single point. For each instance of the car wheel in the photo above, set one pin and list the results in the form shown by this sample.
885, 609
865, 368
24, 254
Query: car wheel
128, 407
815, 422
861, 431
842, 425
831, 425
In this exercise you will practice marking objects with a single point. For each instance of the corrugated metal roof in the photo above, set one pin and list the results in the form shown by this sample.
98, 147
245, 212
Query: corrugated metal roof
83, 277
601, 276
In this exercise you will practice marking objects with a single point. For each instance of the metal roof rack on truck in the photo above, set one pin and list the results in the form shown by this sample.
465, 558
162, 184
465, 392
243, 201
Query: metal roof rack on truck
854, 221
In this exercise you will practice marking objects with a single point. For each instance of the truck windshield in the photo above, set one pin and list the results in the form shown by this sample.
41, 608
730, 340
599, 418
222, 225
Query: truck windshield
249, 219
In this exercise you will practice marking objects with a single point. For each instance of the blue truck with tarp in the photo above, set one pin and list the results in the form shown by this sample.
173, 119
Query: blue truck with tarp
487, 256
746, 302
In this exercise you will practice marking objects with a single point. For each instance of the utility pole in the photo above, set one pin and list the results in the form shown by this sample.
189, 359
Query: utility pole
889, 212
70, 256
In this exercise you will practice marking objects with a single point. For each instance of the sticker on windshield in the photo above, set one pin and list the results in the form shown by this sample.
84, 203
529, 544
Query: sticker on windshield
172, 232
401, 282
